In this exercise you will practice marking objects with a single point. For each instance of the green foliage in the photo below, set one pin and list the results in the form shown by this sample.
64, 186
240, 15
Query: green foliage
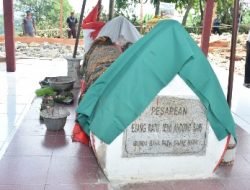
225, 11
245, 18
167, 1
125, 8
147, 18
193, 24
121, 5
46, 91
244, 28
1, 24
45, 12
194, 20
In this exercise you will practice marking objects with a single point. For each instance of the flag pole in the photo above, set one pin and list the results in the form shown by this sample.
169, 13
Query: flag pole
79, 28
232, 53
99, 11
111, 9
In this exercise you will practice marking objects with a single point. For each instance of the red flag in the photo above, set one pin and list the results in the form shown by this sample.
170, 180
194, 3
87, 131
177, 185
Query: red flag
78, 135
91, 21
93, 15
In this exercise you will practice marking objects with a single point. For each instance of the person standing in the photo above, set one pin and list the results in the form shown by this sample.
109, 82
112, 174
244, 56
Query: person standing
247, 65
216, 26
72, 21
28, 25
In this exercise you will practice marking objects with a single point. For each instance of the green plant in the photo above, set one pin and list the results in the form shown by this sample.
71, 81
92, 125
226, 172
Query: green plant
47, 91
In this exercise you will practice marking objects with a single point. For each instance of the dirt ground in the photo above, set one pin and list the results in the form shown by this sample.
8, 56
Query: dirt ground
219, 48
42, 40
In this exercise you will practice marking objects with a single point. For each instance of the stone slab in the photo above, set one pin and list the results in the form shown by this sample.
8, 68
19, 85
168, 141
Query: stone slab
169, 126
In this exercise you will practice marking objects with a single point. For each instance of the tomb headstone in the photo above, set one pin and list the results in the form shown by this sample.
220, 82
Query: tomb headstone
171, 139
170, 126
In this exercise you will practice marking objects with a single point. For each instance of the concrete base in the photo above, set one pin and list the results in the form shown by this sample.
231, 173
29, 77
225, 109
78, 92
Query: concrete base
176, 164
74, 69
229, 157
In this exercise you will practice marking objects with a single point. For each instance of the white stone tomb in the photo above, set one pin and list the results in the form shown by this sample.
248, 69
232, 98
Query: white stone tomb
172, 139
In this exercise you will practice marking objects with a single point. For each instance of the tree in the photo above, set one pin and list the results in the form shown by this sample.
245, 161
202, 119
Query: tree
156, 3
45, 12
125, 7
187, 5
201, 4
183, 5
225, 11
198, 7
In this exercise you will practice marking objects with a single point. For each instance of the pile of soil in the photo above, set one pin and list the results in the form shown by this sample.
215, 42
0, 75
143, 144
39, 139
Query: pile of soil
36, 47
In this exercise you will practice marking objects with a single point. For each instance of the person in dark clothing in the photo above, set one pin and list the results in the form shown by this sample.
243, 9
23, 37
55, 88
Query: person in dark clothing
216, 26
247, 65
72, 21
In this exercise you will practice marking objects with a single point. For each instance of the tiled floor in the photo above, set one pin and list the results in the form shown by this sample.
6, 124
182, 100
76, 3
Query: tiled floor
33, 158
17, 90
240, 105
41, 157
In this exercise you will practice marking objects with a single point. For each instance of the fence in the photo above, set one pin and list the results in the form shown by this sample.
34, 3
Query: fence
54, 33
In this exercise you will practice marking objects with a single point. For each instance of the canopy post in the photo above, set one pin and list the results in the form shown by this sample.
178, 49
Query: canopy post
206, 29
232, 53
9, 35
79, 28
111, 9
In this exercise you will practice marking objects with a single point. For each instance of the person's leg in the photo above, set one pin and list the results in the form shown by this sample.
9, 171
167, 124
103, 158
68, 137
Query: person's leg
69, 33
213, 30
216, 30
31, 34
74, 33
247, 66
219, 32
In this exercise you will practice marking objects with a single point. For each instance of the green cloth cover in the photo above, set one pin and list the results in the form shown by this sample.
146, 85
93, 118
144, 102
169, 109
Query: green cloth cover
122, 93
